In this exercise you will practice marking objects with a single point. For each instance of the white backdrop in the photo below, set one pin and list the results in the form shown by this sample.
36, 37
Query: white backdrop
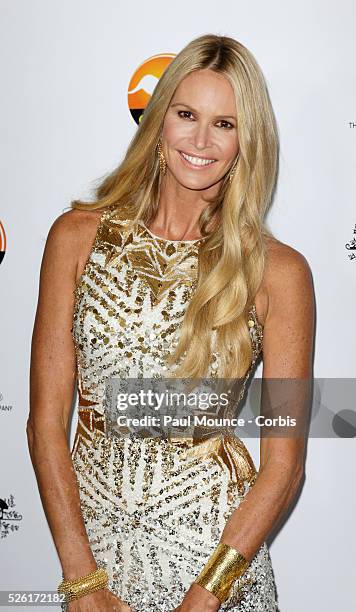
64, 121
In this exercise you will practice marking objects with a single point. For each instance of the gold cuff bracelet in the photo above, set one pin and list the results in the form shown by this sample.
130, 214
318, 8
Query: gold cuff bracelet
78, 587
224, 566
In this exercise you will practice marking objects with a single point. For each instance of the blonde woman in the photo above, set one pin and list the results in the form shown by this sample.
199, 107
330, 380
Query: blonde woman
171, 271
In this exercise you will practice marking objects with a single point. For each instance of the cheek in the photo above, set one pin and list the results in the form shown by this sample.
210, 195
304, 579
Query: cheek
229, 146
172, 131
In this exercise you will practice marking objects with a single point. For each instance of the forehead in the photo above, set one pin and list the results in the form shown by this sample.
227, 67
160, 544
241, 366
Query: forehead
206, 91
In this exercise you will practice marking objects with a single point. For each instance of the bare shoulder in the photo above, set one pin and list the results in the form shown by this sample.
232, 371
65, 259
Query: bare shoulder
282, 261
71, 236
290, 318
75, 224
287, 279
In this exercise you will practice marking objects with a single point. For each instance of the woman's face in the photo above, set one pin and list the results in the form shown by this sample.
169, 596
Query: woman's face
200, 123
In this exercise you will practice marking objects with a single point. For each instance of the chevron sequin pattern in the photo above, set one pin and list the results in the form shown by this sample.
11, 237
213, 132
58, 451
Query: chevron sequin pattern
153, 513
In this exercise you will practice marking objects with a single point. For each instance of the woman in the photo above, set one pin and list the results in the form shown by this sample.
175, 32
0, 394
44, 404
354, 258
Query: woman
171, 272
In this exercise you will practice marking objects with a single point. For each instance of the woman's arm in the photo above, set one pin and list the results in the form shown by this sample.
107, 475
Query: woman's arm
287, 354
52, 381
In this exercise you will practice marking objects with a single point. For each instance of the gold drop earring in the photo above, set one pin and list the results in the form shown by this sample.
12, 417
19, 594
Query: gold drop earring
233, 169
162, 160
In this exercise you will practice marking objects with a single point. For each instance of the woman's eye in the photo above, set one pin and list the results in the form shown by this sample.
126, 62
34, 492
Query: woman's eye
186, 112
226, 124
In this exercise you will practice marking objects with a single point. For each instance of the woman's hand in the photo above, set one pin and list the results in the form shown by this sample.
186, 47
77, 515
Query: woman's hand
103, 600
198, 599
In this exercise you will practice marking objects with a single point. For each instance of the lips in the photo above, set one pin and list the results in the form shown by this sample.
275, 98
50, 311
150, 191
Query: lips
198, 163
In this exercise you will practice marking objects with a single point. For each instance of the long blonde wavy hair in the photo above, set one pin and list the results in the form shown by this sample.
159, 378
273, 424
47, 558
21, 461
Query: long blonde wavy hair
232, 258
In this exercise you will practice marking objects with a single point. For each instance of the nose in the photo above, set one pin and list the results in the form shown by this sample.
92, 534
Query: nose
201, 135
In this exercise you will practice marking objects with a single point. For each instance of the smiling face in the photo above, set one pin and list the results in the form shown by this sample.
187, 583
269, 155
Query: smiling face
199, 136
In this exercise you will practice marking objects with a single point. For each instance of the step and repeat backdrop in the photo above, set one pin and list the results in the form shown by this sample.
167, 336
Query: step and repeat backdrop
76, 76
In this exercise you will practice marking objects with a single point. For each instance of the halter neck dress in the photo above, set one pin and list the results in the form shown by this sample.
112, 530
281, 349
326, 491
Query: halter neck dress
153, 512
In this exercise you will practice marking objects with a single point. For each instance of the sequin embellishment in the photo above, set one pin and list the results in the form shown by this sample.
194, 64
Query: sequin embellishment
153, 514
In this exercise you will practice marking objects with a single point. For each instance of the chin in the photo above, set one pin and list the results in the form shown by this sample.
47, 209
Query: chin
191, 182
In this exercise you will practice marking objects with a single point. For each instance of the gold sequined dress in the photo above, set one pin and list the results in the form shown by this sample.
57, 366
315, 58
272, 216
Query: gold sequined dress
153, 514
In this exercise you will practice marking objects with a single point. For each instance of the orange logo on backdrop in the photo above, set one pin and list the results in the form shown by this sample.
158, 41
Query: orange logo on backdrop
143, 82
2, 242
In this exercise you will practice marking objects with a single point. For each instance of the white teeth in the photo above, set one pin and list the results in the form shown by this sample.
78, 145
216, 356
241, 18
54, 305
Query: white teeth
197, 161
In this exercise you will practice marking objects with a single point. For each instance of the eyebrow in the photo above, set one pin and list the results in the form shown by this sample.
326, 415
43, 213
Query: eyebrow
195, 111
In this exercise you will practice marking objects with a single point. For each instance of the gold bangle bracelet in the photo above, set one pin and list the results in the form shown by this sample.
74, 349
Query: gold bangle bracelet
224, 566
78, 587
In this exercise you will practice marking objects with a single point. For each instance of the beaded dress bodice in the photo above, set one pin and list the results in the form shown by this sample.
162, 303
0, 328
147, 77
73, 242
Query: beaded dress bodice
129, 303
